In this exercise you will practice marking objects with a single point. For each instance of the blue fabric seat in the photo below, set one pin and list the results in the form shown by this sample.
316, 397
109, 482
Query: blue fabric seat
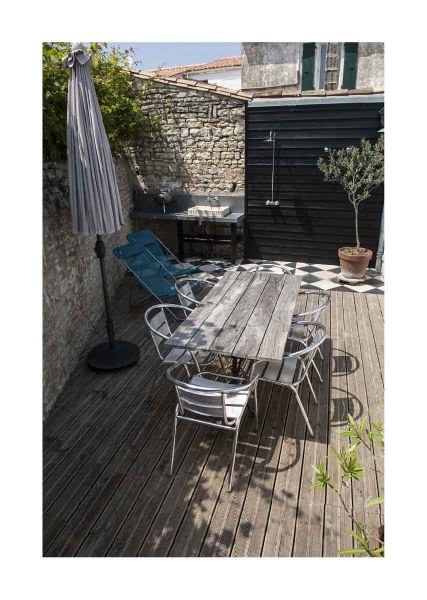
148, 273
159, 255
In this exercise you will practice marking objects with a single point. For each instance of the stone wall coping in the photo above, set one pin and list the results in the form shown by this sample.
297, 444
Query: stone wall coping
195, 85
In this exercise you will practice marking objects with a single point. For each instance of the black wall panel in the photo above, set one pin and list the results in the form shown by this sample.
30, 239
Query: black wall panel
313, 218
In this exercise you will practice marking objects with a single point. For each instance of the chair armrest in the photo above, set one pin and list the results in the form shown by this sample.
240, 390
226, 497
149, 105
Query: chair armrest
222, 375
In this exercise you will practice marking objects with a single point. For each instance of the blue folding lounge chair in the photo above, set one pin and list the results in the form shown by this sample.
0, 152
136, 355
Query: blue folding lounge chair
150, 276
159, 254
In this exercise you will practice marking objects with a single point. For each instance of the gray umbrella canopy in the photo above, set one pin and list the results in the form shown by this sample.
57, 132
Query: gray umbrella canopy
94, 193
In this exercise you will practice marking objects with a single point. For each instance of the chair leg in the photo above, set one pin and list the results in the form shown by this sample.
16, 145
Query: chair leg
175, 422
312, 390
304, 414
256, 407
315, 367
233, 460
320, 352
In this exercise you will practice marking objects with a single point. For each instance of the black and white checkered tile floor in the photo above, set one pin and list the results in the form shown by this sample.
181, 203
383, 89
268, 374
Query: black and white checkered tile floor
323, 277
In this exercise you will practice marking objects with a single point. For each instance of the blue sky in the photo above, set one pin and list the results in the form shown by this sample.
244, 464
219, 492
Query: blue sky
165, 54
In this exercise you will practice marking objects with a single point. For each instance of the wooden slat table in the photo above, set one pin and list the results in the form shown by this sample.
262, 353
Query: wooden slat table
245, 315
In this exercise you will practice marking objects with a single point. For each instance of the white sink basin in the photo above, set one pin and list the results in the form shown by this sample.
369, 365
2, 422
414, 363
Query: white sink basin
208, 211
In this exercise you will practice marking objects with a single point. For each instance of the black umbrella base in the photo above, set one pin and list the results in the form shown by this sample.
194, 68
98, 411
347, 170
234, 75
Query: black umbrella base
107, 357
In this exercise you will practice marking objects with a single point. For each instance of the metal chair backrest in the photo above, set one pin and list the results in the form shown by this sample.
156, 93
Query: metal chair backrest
184, 288
314, 335
158, 324
257, 369
208, 401
323, 300
271, 268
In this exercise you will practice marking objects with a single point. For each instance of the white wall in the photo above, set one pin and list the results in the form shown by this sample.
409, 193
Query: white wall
228, 78
370, 66
270, 64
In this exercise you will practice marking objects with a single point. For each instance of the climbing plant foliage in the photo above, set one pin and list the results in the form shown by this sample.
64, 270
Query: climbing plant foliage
119, 97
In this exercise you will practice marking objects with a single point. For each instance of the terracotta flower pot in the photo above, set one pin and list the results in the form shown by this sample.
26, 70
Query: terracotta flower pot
353, 266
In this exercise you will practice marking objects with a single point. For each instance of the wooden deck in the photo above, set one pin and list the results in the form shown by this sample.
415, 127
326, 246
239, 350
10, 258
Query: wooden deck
107, 442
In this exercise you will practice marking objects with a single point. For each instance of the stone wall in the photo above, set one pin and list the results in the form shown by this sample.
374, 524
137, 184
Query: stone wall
199, 145
73, 300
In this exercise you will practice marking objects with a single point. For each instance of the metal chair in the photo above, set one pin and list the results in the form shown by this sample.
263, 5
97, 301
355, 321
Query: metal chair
186, 287
293, 369
323, 300
270, 267
160, 329
218, 403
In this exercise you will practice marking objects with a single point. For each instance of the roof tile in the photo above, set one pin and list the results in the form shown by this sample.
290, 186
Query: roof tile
313, 93
342, 92
366, 90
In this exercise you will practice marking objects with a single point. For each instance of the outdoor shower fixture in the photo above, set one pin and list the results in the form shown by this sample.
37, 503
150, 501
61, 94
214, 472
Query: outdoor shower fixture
272, 140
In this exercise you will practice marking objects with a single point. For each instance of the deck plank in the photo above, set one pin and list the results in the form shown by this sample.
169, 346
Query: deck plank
163, 530
225, 518
250, 533
82, 499
87, 386
339, 404
124, 522
119, 393
280, 528
375, 317
316, 447
366, 487
128, 405
373, 379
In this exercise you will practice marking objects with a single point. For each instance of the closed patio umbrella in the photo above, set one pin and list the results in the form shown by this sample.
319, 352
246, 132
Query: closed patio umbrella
94, 194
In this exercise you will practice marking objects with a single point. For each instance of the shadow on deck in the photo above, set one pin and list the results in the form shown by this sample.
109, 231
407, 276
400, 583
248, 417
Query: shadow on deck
107, 445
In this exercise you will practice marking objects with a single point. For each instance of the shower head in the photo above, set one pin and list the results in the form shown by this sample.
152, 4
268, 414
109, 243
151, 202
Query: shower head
271, 138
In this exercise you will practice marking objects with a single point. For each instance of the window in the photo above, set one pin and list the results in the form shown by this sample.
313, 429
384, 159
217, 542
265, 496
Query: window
314, 66
321, 66
308, 58
350, 66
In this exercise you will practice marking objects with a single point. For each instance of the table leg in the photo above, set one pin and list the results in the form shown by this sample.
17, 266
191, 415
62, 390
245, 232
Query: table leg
235, 366
180, 234
233, 243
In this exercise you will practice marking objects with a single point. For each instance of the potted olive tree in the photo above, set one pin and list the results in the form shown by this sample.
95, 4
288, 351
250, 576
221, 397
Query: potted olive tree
359, 170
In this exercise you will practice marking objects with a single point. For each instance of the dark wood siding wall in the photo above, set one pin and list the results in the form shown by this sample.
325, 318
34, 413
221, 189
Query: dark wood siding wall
313, 218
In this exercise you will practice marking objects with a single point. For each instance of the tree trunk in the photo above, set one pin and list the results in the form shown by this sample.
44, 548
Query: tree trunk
356, 224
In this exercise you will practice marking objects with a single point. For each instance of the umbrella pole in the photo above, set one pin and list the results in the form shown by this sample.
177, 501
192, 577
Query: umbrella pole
114, 354
100, 253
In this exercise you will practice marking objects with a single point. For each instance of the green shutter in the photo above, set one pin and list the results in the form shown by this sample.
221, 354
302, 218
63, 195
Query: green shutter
350, 66
308, 52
